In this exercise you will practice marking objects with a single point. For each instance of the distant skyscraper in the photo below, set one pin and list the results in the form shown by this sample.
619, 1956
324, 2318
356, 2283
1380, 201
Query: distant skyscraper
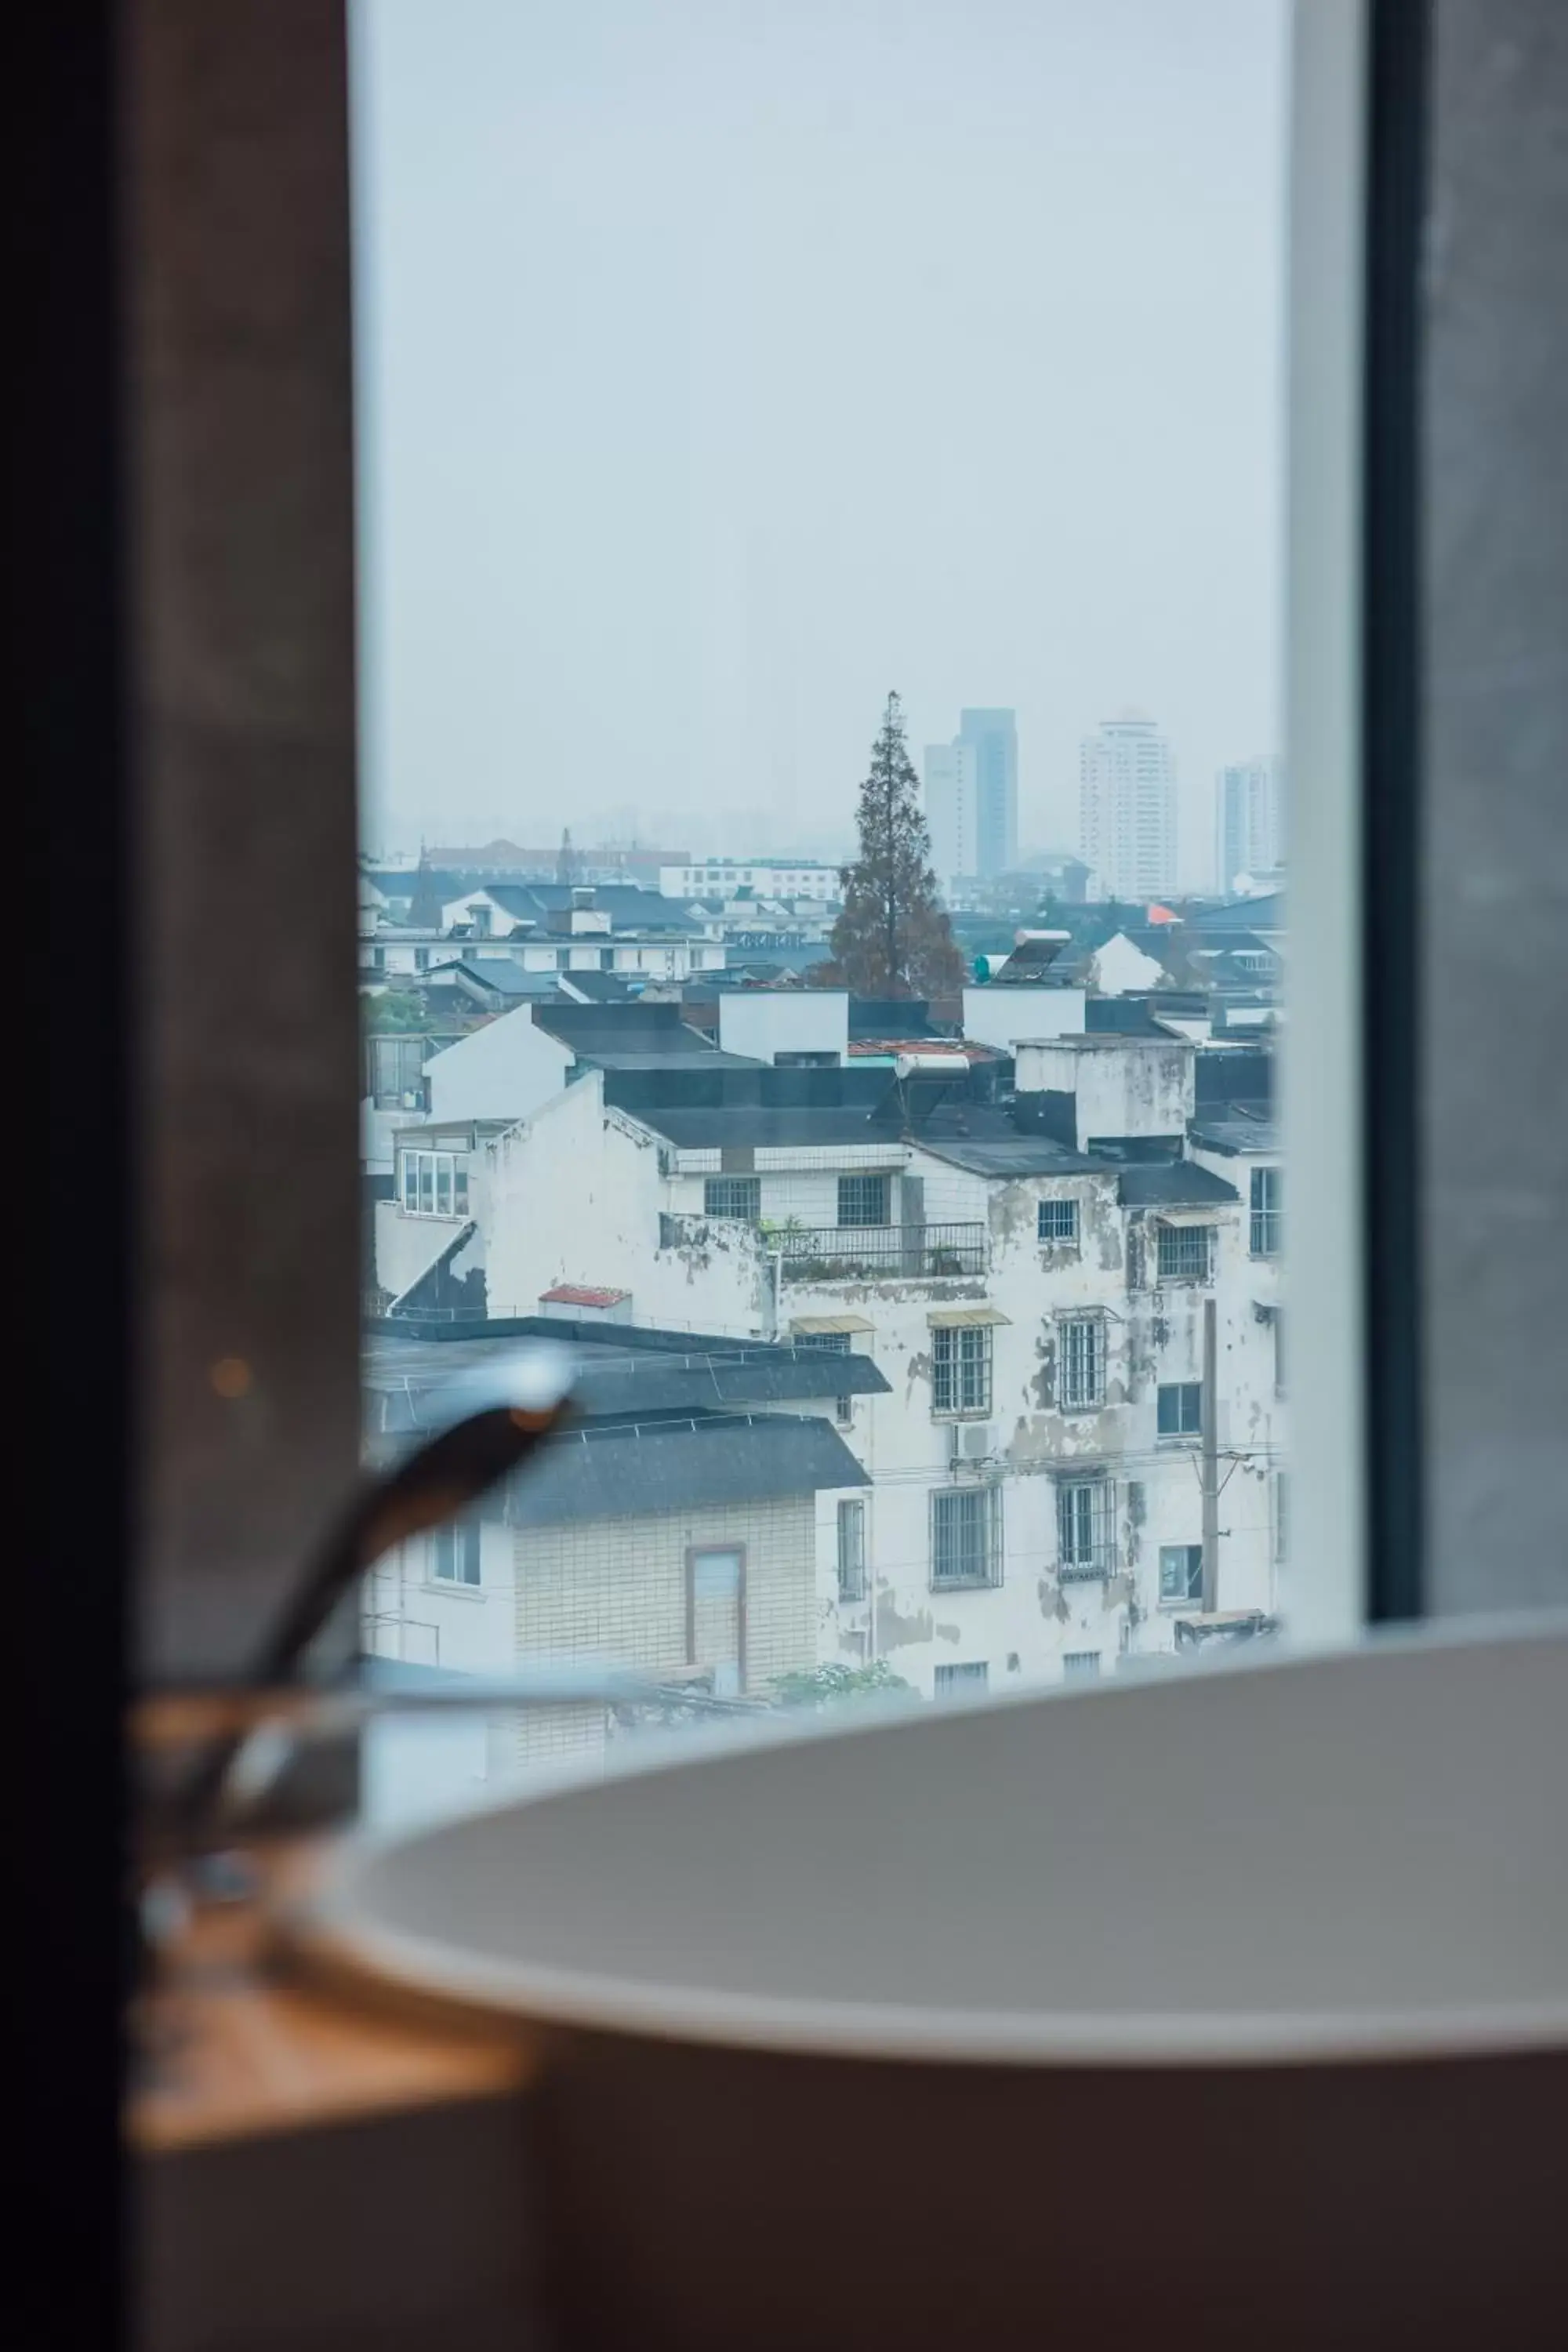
1249, 820
949, 810
991, 738
1127, 808
972, 797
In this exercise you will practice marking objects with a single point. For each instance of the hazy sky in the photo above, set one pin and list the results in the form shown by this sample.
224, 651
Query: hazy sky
724, 363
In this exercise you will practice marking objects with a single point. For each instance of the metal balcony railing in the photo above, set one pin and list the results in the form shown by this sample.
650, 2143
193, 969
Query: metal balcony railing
877, 1253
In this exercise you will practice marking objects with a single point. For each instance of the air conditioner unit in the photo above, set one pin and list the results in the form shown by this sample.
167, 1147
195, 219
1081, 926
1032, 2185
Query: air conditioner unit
971, 1441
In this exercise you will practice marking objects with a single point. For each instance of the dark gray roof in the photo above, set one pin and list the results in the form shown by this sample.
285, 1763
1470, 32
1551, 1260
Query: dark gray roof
1264, 914
407, 1381
1233, 1127
630, 1033
632, 1469
1180, 1184
628, 908
598, 987
665, 1057
504, 974
1018, 1155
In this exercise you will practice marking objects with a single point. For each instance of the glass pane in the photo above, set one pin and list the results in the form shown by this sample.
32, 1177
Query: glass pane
919, 1243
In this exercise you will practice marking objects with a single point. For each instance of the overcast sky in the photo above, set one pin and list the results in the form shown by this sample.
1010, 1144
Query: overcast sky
723, 364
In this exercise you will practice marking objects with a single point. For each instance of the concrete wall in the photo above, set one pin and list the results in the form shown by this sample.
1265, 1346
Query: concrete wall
764, 1023
575, 1194
1122, 1085
1494, 1150
502, 1071
1000, 1016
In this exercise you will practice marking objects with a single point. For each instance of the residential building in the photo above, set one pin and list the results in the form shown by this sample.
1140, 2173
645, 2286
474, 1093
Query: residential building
972, 797
774, 878
671, 1533
1249, 820
951, 812
1127, 808
1032, 1276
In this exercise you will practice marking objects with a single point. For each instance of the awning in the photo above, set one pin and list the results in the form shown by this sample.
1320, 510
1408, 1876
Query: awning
1207, 1215
955, 1319
826, 1323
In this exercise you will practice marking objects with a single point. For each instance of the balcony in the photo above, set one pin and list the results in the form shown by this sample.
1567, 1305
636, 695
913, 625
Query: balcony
877, 1253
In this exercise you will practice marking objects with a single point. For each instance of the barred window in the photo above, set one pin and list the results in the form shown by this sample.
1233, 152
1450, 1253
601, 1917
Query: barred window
1084, 1525
1282, 1515
733, 1196
1080, 1356
1080, 1666
1180, 1409
1186, 1252
961, 1368
1057, 1221
953, 1681
966, 1535
862, 1199
852, 1550
1268, 1212
1181, 1572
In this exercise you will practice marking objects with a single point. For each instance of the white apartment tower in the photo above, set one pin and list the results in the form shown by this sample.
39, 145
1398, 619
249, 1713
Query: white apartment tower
1249, 820
950, 811
1127, 808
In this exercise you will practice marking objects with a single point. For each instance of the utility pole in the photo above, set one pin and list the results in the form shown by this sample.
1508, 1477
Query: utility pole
1210, 1460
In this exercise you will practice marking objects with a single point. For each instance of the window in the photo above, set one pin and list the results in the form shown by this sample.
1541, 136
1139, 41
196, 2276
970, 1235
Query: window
1267, 1237
1281, 1515
733, 1196
1080, 1355
1056, 1223
1084, 1525
1186, 1252
435, 1183
454, 1554
1080, 1666
954, 1682
862, 1199
852, 1550
1181, 1572
1180, 1409
961, 1368
966, 1536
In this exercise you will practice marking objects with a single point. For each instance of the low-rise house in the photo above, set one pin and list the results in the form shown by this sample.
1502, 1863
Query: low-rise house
671, 1531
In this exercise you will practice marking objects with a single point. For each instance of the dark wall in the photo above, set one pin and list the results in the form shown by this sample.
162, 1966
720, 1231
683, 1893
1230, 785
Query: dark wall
1494, 1141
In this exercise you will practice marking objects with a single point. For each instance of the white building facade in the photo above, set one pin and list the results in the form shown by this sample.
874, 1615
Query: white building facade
1249, 820
1127, 808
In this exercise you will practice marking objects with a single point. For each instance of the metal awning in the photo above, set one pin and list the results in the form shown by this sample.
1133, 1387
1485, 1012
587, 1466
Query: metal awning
826, 1323
953, 1319
1207, 1214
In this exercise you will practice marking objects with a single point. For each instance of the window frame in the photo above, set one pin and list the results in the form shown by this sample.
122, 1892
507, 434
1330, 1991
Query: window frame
853, 1582
1185, 1431
962, 1362
1176, 1242
1071, 1238
1266, 1212
461, 1543
1079, 1395
1192, 1585
878, 1186
1076, 1562
737, 1183
984, 1501
951, 1677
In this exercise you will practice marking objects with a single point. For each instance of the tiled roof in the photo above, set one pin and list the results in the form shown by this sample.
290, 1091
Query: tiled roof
581, 1293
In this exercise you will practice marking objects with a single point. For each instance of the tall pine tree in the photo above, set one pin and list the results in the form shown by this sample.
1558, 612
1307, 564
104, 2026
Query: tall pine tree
892, 938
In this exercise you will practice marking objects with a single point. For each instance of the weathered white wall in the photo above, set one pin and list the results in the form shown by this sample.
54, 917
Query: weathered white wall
408, 1246
1000, 1016
1125, 1085
764, 1023
502, 1071
575, 1194
1118, 967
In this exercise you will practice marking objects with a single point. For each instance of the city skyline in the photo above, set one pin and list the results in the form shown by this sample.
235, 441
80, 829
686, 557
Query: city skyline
659, 529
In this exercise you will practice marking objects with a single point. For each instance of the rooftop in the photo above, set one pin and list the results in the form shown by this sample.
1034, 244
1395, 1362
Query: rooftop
1178, 1184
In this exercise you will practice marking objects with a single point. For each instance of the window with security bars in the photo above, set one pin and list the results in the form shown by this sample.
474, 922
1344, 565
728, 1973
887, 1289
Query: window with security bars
961, 1368
863, 1200
1267, 1236
1186, 1252
852, 1550
1282, 1515
1179, 1409
1084, 1507
733, 1196
1081, 1358
1080, 1666
971, 1675
966, 1536
1181, 1572
1056, 1223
